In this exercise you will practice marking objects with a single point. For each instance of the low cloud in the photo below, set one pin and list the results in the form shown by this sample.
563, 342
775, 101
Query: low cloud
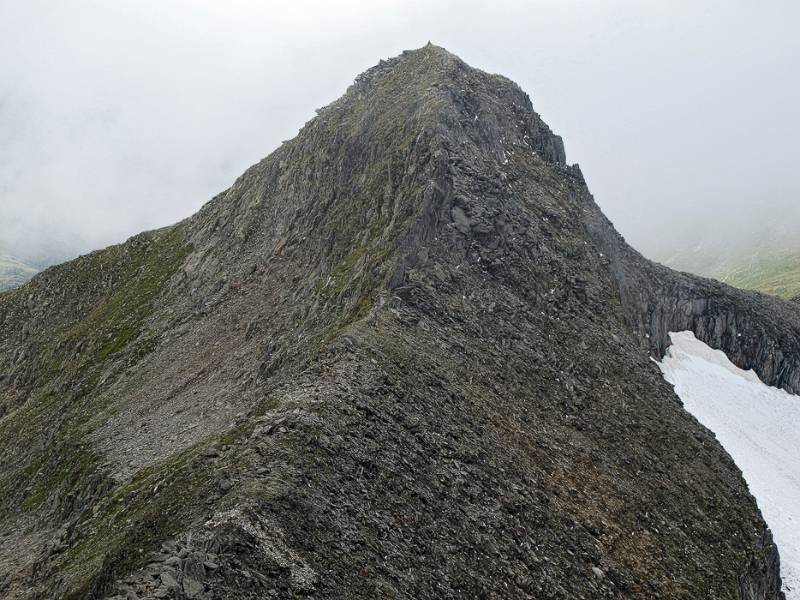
117, 117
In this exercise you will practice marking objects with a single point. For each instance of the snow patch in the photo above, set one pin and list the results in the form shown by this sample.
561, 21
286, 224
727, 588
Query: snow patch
758, 425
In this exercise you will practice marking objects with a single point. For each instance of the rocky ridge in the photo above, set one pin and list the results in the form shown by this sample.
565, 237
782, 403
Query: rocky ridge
405, 355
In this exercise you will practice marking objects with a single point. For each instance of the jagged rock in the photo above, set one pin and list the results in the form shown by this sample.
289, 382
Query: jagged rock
447, 391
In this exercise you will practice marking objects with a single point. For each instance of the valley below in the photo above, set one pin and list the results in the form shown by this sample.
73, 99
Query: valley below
14, 272
767, 259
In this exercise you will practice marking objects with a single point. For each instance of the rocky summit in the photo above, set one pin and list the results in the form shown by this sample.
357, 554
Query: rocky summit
403, 356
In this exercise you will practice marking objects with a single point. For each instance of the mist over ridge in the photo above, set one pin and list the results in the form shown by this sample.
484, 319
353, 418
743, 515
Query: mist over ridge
120, 118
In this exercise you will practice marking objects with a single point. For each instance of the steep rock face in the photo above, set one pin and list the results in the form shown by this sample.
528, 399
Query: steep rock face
756, 331
402, 356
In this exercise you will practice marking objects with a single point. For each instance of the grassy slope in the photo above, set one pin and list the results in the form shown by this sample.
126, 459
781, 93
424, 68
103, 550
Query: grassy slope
767, 260
56, 460
779, 276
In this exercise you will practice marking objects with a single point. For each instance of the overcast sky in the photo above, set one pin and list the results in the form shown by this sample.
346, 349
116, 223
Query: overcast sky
122, 115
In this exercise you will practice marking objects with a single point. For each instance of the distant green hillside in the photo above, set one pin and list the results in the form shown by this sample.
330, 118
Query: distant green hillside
779, 276
14, 272
768, 261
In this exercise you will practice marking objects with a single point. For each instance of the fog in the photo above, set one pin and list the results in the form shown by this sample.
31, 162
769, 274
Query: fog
122, 116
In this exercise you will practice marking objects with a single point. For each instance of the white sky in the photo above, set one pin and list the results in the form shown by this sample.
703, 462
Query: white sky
116, 116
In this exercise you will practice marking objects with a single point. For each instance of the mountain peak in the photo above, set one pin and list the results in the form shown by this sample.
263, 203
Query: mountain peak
404, 355
436, 83
370, 173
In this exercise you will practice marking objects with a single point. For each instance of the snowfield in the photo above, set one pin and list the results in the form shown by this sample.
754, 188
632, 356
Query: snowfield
758, 425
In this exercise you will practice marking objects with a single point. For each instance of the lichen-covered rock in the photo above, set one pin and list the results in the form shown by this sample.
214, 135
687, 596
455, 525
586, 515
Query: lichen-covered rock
405, 355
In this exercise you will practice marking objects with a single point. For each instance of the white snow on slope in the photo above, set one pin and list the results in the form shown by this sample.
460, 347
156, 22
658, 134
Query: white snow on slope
758, 425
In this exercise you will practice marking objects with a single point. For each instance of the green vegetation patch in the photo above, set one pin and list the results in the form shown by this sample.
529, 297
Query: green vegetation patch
55, 462
161, 502
131, 522
779, 276
120, 318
